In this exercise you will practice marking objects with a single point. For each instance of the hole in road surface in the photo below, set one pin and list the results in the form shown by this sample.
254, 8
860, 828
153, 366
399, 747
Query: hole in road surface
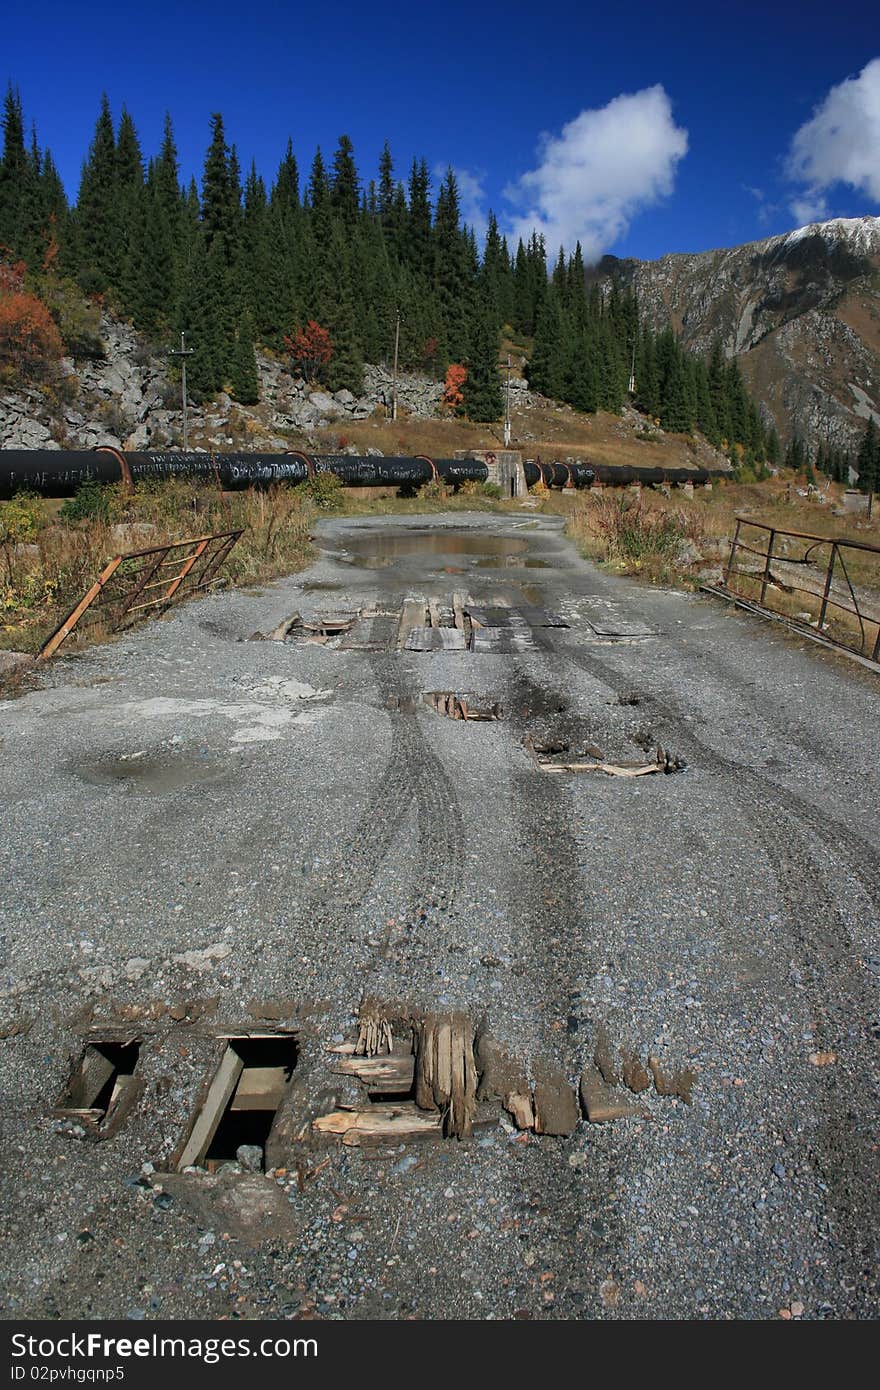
152, 774
242, 1102
100, 1080
451, 704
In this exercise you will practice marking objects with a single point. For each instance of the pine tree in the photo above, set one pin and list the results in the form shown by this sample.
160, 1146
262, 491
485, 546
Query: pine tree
546, 368
16, 175
453, 284
96, 220
796, 454
868, 458
219, 194
244, 375
481, 394
203, 314
345, 191
318, 193
417, 235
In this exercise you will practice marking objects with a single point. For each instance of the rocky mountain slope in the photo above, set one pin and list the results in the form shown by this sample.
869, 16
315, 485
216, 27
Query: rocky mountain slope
128, 399
801, 311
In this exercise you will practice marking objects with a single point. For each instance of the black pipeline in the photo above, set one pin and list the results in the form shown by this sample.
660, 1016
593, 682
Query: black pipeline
60, 472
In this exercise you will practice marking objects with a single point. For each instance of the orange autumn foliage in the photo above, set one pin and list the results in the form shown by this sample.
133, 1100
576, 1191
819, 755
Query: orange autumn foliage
456, 375
29, 342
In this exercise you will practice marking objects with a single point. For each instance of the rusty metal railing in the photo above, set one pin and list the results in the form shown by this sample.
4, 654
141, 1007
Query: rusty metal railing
769, 564
138, 582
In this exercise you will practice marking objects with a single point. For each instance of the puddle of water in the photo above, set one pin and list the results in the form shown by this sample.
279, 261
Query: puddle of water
379, 550
152, 775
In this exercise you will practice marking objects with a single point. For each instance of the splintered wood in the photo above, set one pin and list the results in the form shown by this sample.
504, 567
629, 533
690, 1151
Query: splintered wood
453, 706
374, 1035
543, 754
392, 1074
379, 1123
446, 1073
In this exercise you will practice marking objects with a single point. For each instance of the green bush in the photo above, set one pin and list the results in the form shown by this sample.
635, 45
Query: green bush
492, 490
21, 519
90, 504
324, 491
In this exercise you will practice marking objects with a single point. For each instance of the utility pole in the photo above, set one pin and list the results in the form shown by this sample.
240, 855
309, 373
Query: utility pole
507, 408
183, 352
396, 352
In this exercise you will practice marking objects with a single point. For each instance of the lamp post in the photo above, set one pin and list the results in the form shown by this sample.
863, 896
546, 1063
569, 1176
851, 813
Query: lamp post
396, 351
507, 408
183, 352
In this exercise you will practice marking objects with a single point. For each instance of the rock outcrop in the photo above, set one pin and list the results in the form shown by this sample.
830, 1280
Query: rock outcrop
801, 311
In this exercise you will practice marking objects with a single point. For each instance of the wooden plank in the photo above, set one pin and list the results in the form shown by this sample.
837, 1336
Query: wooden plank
433, 612
209, 1116
380, 1122
389, 1073
540, 617
259, 1088
458, 602
435, 639
412, 615
499, 641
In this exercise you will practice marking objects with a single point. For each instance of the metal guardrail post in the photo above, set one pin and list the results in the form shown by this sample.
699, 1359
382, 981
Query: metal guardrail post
765, 580
733, 549
828, 580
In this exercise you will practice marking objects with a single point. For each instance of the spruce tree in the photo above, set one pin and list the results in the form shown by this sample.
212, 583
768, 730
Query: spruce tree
482, 399
96, 221
218, 193
244, 375
868, 458
16, 175
344, 192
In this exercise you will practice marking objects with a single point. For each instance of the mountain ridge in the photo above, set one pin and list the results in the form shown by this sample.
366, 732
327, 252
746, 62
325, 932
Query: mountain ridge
799, 310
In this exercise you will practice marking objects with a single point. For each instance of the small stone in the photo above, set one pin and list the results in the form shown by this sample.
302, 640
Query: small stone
250, 1156
609, 1292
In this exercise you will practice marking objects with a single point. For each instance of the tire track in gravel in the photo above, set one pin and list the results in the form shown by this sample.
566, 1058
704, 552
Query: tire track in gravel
551, 911
782, 825
413, 774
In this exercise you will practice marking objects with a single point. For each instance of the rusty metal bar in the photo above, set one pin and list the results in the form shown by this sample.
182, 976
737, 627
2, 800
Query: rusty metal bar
212, 550
52, 643
214, 563
179, 578
846, 603
766, 577
733, 549
828, 578
808, 535
146, 573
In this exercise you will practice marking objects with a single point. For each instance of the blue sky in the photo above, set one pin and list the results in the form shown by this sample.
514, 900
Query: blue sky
640, 128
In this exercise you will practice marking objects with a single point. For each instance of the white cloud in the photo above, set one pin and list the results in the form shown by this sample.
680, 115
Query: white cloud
840, 143
813, 207
603, 168
472, 192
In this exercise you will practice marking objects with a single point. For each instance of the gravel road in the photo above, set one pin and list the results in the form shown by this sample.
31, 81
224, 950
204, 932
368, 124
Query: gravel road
204, 833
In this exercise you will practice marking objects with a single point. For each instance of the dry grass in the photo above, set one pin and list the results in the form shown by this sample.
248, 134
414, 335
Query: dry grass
41, 580
645, 541
50, 562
